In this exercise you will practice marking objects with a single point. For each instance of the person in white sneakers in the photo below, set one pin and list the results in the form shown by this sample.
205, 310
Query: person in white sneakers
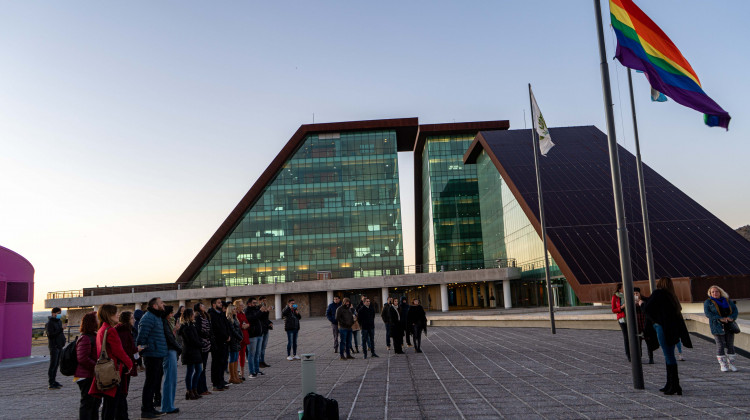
722, 313
291, 324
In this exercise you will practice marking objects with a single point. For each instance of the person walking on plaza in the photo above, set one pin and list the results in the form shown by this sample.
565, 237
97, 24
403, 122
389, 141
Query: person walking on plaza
665, 312
345, 320
169, 387
403, 312
618, 307
154, 343
56, 342
266, 326
291, 325
331, 316
235, 338
240, 306
397, 330
125, 331
255, 336
203, 326
417, 322
385, 316
87, 357
722, 314
219, 351
366, 318
191, 353
645, 330
107, 315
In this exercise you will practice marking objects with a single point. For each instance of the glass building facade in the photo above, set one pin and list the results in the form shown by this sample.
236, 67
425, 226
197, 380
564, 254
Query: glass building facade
508, 233
332, 211
451, 221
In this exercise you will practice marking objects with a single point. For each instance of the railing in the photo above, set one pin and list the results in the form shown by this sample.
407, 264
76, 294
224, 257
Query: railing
234, 282
65, 294
70, 331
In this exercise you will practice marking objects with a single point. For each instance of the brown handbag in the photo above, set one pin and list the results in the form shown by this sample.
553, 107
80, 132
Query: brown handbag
106, 373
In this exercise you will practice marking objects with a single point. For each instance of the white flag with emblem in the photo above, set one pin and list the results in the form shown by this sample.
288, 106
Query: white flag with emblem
545, 141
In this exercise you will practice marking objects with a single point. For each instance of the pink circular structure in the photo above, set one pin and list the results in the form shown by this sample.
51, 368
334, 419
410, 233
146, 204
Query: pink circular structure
16, 302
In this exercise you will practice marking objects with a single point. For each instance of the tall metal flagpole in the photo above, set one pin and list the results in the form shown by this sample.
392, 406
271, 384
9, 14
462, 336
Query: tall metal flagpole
535, 141
642, 188
622, 230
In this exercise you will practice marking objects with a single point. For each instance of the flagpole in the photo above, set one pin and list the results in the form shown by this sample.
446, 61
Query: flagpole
642, 188
535, 142
622, 230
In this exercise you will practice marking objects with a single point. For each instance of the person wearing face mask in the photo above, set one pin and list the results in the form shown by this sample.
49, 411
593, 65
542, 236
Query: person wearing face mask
291, 324
152, 339
345, 319
56, 341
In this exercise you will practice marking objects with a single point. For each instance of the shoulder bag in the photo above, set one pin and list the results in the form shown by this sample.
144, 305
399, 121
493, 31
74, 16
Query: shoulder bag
106, 373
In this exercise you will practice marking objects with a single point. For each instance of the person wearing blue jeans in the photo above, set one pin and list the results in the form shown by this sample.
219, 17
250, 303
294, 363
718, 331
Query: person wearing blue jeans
253, 314
665, 312
169, 364
345, 320
253, 356
266, 325
291, 325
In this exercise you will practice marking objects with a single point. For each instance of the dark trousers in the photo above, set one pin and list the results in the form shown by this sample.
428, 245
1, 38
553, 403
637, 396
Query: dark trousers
398, 343
202, 386
54, 363
112, 407
89, 409
152, 384
219, 359
624, 328
418, 337
368, 340
387, 334
407, 333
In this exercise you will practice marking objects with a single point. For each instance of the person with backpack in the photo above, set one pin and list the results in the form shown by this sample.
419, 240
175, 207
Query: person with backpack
125, 331
56, 342
108, 344
86, 357
151, 337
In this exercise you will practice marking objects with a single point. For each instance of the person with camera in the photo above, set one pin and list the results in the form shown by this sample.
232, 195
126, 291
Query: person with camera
291, 325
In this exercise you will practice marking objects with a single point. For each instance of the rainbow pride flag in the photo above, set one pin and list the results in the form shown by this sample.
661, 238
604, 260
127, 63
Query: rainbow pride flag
641, 45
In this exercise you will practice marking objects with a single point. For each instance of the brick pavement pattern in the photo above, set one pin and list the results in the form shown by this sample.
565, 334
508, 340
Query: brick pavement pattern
464, 373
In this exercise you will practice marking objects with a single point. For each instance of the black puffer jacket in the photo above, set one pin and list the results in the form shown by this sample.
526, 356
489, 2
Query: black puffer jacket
253, 315
235, 336
192, 344
291, 318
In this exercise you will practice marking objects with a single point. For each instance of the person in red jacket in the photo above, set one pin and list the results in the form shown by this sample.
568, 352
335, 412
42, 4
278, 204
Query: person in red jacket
86, 355
244, 325
618, 307
107, 318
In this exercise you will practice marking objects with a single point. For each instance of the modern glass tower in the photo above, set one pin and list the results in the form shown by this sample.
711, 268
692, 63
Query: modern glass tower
331, 211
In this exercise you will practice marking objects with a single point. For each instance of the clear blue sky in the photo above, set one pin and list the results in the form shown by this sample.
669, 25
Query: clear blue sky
129, 130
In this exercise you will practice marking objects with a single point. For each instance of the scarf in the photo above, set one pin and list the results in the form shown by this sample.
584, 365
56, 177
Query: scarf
722, 302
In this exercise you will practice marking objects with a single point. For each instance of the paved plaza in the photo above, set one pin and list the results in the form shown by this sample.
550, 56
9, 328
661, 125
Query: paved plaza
464, 372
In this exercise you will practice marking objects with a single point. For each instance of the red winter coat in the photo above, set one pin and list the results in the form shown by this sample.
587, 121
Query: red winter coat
86, 355
115, 352
245, 337
617, 307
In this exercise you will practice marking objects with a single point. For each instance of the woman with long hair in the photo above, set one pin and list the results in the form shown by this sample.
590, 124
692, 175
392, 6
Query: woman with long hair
244, 325
721, 313
665, 312
235, 338
203, 326
87, 355
107, 315
169, 364
124, 330
618, 307
191, 353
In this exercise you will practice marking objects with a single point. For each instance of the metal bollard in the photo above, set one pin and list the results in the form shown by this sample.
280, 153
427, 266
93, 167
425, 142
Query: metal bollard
308, 374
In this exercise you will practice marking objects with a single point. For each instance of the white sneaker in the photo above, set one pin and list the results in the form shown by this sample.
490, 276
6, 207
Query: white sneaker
289, 358
680, 358
295, 357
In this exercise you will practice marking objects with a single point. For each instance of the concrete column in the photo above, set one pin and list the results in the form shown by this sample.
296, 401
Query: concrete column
277, 304
228, 299
486, 294
95, 309
475, 295
136, 306
383, 296
182, 303
329, 296
444, 297
506, 294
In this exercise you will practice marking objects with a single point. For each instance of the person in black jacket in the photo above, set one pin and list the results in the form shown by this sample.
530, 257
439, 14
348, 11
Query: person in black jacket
291, 325
169, 364
203, 326
56, 342
385, 314
403, 311
417, 322
219, 355
397, 329
255, 334
366, 317
663, 309
191, 353
267, 326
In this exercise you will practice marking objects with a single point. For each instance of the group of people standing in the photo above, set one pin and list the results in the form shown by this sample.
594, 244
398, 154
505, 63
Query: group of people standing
347, 321
660, 324
152, 341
